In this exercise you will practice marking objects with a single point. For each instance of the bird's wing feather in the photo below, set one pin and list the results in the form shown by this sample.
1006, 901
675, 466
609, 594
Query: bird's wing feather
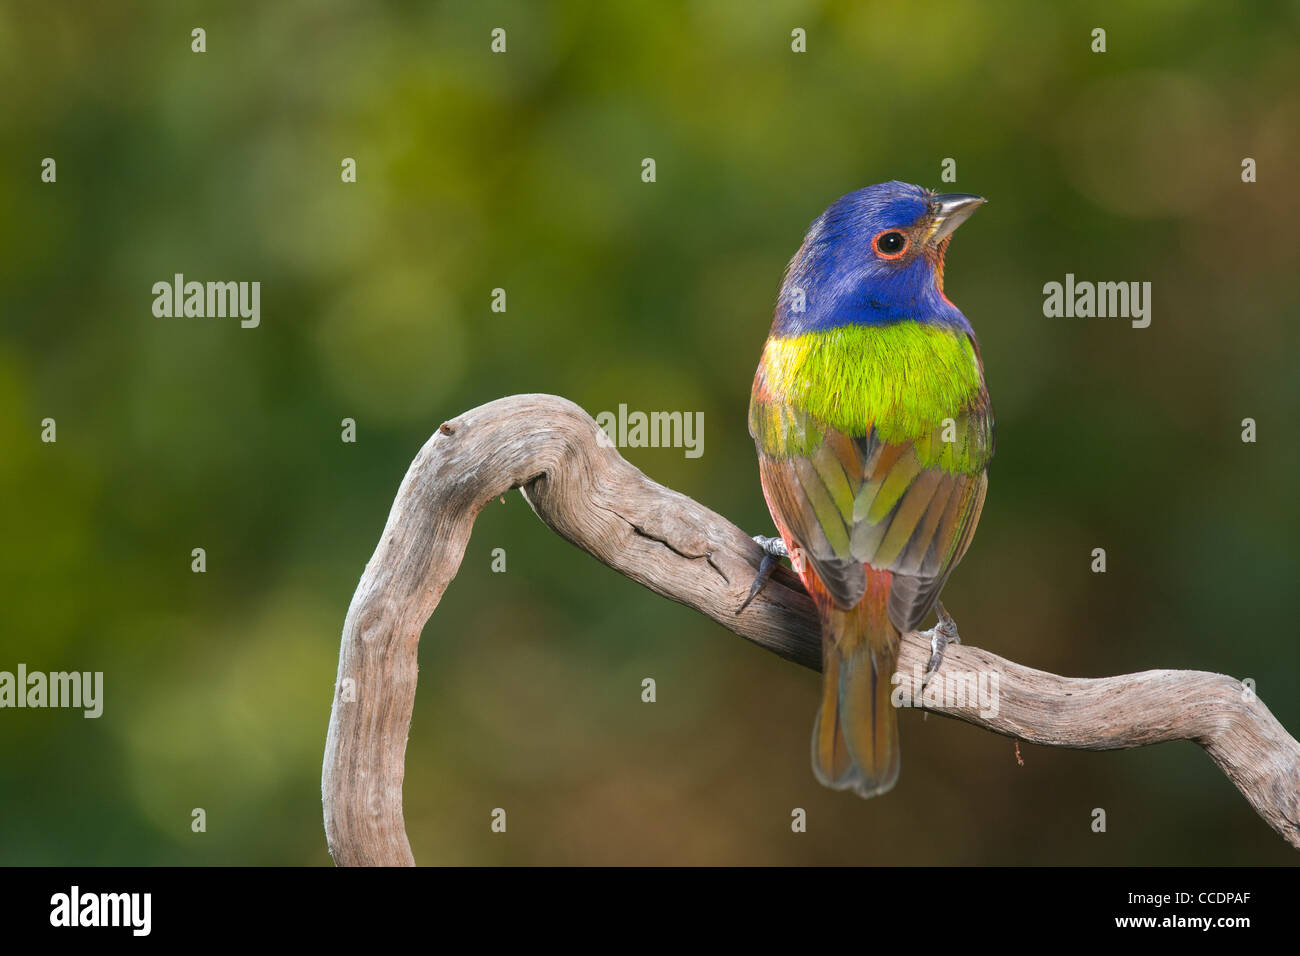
849, 501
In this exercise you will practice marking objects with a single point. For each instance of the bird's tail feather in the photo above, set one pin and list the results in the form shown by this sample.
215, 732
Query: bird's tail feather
855, 738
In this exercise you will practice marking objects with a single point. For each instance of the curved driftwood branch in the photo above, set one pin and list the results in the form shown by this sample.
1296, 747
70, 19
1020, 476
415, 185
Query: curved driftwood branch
587, 493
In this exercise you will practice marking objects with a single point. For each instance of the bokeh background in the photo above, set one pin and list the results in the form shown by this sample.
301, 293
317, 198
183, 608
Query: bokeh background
522, 171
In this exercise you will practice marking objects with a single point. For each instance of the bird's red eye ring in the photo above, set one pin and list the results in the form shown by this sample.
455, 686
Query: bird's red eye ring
890, 244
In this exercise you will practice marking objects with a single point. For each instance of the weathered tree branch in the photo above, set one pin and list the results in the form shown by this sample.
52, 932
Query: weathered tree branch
586, 492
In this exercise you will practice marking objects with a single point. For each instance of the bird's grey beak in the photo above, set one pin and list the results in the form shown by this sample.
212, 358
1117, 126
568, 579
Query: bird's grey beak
950, 210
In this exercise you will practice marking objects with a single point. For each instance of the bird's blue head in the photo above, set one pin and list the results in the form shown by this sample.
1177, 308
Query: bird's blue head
874, 257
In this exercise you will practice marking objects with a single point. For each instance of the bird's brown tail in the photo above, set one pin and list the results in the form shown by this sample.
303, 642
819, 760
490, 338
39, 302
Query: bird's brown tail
855, 738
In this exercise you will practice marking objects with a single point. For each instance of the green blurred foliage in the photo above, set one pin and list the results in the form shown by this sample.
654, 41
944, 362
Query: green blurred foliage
522, 171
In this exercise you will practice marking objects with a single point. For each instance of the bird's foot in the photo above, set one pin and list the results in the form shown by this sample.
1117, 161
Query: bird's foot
941, 635
773, 551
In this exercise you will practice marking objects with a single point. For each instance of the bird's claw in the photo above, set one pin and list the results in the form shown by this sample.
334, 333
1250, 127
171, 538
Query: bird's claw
941, 635
775, 547
773, 551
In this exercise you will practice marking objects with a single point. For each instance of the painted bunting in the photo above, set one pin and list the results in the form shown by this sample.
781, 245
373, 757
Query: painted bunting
874, 434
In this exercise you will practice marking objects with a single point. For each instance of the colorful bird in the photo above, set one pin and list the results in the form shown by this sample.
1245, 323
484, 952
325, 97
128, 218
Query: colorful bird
874, 434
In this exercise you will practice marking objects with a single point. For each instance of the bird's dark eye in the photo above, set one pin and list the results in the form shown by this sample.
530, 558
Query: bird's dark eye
891, 244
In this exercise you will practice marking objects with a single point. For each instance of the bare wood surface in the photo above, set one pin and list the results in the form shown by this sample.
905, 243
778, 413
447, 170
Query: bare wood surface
587, 493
